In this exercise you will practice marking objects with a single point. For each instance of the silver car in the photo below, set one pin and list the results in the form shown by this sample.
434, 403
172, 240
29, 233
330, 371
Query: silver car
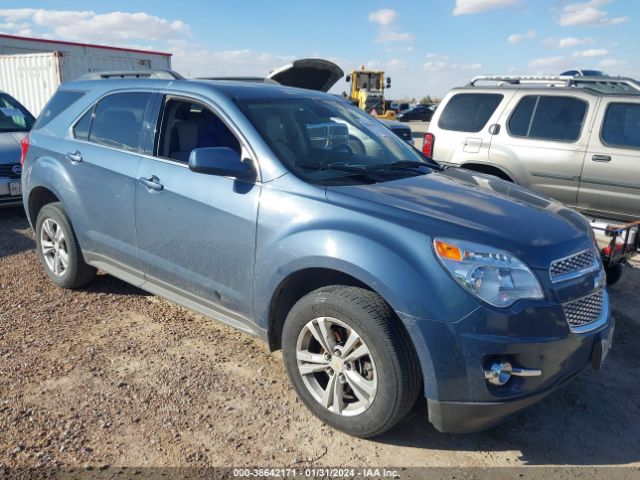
574, 139
15, 122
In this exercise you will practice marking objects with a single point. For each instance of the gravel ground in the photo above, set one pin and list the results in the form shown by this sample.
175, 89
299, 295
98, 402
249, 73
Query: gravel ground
109, 375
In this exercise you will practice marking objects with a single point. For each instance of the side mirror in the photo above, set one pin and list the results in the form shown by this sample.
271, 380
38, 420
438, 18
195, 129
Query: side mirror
348, 78
220, 161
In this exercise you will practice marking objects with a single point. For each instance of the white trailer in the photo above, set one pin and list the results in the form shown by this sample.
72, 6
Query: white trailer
32, 69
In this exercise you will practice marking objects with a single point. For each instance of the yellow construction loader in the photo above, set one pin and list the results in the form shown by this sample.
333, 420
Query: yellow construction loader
367, 92
366, 89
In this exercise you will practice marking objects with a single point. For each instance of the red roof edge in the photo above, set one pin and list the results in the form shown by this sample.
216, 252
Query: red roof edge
76, 44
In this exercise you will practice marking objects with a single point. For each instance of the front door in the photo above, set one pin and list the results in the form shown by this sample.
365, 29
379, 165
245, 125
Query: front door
196, 232
610, 183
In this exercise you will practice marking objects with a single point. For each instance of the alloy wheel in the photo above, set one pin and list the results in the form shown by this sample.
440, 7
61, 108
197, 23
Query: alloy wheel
53, 244
336, 366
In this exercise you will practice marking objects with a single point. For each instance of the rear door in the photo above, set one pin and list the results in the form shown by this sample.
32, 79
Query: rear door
543, 142
103, 154
196, 232
610, 183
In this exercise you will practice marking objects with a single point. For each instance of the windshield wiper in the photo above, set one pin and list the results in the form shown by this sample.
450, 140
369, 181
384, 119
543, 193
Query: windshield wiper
406, 165
341, 167
350, 170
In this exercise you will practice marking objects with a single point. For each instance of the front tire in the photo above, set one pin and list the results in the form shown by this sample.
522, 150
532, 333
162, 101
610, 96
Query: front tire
58, 248
614, 274
350, 360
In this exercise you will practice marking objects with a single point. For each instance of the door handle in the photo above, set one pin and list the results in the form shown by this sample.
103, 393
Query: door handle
151, 183
75, 156
601, 158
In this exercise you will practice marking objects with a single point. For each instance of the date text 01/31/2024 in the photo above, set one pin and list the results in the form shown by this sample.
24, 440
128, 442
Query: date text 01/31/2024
315, 472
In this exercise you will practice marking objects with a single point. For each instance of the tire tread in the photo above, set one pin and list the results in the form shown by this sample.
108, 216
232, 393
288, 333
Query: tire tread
385, 324
82, 273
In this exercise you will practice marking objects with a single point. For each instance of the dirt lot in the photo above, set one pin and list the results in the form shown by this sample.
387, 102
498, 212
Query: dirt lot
109, 375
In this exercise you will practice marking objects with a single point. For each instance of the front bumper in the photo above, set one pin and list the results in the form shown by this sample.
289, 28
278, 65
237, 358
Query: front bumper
468, 417
453, 356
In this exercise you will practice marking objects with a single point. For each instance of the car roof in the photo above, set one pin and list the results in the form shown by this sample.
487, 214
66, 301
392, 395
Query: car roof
595, 85
232, 89
544, 90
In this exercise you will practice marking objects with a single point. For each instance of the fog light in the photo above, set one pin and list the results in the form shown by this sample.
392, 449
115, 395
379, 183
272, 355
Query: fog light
498, 373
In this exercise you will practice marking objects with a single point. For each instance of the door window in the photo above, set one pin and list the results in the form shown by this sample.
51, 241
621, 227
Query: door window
116, 121
548, 118
621, 126
82, 127
469, 112
188, 125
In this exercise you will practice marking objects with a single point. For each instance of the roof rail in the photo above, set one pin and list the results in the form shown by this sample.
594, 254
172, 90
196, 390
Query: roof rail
152, 74
600, 84
241, 79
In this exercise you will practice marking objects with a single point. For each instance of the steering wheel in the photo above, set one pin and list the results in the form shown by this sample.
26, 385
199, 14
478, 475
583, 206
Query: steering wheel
337, 148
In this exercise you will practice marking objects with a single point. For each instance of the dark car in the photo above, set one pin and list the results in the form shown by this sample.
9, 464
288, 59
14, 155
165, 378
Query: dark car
15, 122
419, 112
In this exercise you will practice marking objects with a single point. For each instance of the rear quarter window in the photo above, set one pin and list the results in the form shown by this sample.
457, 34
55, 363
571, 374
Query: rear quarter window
621, 125
60, 101
469, 112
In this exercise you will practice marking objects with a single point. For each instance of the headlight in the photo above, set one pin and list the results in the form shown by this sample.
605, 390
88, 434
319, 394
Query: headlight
495, 276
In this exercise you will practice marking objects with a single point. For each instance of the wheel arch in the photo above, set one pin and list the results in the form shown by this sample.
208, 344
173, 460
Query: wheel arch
489, 170
295, 286
39, 197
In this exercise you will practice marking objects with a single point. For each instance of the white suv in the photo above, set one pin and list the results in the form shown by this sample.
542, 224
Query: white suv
575, 139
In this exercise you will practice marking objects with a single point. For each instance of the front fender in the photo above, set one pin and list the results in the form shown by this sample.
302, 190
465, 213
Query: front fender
396, 262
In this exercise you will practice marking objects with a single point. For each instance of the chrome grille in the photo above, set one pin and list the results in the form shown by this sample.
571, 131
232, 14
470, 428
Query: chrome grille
564, 268
584, 311
5, 170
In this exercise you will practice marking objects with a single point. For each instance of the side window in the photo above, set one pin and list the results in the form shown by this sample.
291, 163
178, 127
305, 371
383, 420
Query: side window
621, 126
187, 125
118, 119
60, 101
548, 118
83, 126
469, 112
520, 121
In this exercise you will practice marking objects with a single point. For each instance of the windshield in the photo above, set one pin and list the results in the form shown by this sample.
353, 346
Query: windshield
323, 139
368, 81
13, 116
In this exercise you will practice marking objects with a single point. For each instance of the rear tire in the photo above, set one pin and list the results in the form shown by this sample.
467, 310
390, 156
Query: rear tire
58, 249
370, 380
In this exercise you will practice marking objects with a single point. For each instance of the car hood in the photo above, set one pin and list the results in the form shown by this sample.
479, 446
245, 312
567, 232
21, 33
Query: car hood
10, 146
393, 124
458, 203
309, 73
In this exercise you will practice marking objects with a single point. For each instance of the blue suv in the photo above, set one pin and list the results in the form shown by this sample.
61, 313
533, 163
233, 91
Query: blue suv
300, 219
